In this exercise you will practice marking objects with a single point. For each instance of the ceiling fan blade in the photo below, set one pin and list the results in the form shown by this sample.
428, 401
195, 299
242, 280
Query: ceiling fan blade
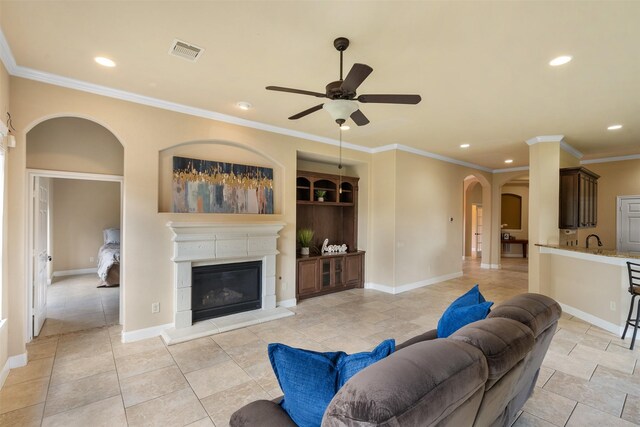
299, 91
359, 118
390, 99
305, 112
356, 76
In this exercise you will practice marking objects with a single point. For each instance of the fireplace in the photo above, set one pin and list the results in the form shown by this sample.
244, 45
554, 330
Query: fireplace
209, 245
222, 289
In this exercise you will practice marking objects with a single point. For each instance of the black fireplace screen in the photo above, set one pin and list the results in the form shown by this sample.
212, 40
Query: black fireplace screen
219, 290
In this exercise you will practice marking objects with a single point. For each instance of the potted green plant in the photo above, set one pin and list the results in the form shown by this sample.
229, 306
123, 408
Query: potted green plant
305, 238
320, 195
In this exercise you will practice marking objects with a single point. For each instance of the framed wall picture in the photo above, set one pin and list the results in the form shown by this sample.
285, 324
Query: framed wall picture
206, 186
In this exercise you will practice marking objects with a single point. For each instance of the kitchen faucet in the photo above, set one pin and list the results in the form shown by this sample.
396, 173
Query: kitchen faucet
593, 235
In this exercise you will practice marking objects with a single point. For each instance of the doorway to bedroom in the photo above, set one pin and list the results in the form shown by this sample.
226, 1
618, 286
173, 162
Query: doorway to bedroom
76, 242
75, 182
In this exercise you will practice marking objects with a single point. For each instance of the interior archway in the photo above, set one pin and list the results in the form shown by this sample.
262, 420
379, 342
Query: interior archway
75, 167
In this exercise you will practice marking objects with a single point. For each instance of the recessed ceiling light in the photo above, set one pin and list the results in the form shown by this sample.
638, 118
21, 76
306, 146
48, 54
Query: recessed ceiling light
243, 105
560, 60
509, 161
345, 127
614, 127
465, 145
106, 62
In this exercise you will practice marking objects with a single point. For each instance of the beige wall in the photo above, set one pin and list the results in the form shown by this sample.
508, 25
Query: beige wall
383, 218
4, 277
616, 179
74, 144
587, 285
429, 193
521, 190
80, 211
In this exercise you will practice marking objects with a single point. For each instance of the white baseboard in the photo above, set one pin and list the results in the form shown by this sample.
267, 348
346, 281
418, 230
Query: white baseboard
515, 255
485, 266
141, 334
287, 303
607, 326
12, 362
394, 290
74, 272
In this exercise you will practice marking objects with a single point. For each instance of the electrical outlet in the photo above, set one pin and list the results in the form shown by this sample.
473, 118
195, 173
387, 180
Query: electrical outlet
155, 307
91, 259
612, 305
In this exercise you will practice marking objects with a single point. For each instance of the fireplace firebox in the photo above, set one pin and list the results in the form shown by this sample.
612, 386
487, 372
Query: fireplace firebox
223, 289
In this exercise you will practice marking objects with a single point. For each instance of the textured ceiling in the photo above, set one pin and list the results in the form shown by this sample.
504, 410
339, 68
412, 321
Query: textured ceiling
480, 67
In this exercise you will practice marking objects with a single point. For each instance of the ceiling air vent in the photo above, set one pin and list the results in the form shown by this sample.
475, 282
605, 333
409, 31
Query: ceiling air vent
185, 50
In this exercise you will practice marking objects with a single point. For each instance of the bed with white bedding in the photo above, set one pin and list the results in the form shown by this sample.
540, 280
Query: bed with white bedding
109, 258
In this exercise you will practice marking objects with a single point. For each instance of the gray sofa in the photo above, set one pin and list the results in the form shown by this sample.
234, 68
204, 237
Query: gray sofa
480, 376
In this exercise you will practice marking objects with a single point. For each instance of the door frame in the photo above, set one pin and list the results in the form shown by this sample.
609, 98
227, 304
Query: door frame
474, 229
619, 200
29, 264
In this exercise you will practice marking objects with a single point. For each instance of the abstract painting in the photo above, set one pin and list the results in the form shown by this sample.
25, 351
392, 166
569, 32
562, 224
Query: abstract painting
205, 186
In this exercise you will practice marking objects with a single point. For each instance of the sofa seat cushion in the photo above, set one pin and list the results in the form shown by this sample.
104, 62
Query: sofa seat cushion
536, 311
310, 379
504, 342
419, 385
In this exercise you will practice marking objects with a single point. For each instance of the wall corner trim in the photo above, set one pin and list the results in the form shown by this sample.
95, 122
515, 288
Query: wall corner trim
141, 334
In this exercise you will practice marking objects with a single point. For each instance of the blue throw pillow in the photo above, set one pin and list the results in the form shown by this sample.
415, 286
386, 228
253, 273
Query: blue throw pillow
466, 309
310, 379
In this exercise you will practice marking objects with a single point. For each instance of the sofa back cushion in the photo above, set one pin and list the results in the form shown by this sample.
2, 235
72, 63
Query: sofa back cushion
536, 311
422, 384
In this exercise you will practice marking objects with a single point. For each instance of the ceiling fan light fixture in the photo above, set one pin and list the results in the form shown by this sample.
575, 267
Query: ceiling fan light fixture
345, 127
340, 109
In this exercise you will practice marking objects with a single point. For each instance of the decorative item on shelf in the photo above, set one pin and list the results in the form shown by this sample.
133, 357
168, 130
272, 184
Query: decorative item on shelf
506, 236
320, 195
333, 249
305, 238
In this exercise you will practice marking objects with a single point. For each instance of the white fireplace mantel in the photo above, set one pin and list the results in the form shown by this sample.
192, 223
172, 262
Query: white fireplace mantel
203, 243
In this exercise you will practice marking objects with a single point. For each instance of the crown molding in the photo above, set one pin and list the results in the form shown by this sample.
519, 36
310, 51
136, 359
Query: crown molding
569, 149
428, 154
517, 169
611, 159
544, 138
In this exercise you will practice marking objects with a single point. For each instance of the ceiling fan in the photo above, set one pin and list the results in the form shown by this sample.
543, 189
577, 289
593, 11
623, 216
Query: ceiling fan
342, 93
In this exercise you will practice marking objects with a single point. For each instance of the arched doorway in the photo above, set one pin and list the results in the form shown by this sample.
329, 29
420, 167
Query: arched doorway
75, 172
514, 223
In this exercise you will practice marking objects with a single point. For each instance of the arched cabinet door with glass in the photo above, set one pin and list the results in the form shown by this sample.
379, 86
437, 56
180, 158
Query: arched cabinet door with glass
328, 206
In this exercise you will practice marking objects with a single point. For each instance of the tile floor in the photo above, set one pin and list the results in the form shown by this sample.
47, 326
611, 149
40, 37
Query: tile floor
75, 303
89, 377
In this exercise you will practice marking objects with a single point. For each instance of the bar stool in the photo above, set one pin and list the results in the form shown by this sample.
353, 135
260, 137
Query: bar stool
634, 290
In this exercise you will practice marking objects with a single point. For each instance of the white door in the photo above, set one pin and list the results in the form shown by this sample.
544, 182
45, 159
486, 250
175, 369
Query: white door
478, 230
629, 224
40, 255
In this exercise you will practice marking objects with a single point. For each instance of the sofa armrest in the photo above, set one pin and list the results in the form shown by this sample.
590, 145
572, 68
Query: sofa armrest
427, 336
261, 413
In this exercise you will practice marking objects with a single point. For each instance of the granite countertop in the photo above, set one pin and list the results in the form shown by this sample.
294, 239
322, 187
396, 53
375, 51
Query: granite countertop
595, 251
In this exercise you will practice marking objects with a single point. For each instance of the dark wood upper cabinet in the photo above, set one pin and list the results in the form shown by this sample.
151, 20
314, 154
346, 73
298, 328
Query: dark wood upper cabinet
578, 198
